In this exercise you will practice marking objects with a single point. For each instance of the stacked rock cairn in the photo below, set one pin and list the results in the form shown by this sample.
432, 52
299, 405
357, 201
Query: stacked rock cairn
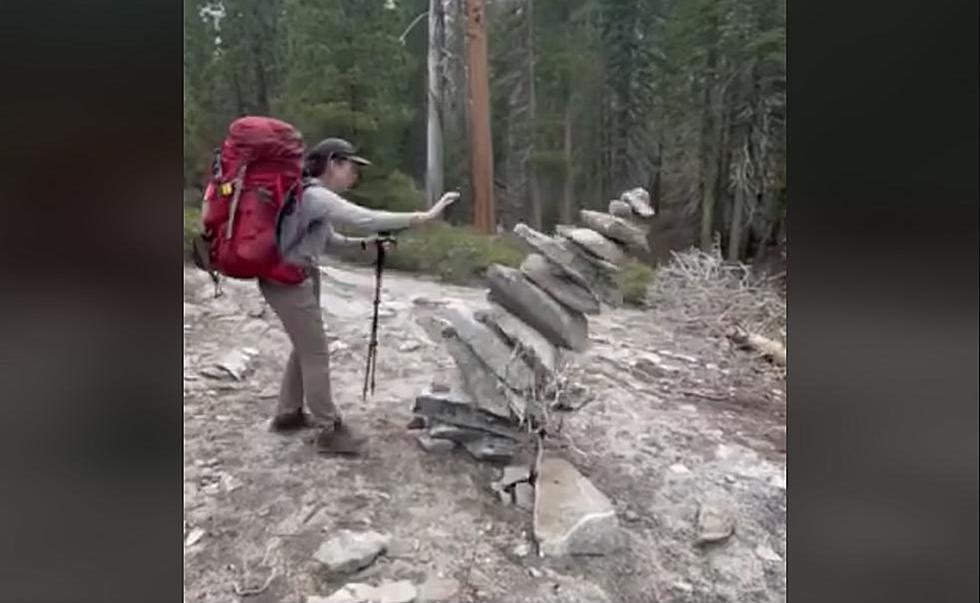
510, 353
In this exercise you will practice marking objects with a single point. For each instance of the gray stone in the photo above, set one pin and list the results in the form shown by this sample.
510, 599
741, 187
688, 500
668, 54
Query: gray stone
455, 433
638, 200
527, 301
598, 270
593, 275
435, 445
600, 273
416, 422
401, 591
236, 363
543, 354
616, 229
455, 408
492, 449
593, 242
496, 353
485, 389
524, 496
620, 209
549, 248
436, 590
715, 524
571, 516
350, 551
513, 474
546, 275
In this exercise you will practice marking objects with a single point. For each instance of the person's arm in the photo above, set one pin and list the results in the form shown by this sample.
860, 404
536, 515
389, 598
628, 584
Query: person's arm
343, 213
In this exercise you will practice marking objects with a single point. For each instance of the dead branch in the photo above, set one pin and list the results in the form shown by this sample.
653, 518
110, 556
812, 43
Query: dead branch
773, 351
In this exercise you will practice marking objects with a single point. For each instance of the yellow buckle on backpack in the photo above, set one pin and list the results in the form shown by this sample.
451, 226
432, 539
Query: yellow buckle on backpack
226, 188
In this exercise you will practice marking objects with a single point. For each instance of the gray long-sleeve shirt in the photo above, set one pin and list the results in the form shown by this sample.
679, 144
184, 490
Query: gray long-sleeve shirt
307, 229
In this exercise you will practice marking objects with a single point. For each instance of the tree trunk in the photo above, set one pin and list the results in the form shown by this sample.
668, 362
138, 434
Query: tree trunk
433, 141
532, 173
735, 229
481, 145
567, 205
711, 166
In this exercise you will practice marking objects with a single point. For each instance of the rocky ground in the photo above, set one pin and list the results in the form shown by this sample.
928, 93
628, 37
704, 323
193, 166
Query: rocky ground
683, 434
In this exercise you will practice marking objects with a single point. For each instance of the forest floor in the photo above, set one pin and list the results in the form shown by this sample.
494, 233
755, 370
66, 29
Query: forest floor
674, 422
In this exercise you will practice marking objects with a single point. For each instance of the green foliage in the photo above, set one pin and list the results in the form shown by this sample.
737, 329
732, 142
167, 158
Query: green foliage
634, 280
192, 227
665, 94
453, 254
392, 192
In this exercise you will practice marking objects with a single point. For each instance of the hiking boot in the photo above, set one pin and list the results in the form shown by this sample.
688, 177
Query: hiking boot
338, 440
286, 422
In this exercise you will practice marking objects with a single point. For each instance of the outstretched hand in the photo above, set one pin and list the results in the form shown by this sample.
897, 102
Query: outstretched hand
444, 202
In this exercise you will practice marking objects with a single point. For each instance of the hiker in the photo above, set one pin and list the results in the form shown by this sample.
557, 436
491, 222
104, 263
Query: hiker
304, 231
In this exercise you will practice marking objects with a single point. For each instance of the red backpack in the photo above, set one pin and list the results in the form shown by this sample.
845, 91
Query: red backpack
256, 170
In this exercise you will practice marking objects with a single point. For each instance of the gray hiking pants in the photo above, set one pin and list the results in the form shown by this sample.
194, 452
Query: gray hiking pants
308, 368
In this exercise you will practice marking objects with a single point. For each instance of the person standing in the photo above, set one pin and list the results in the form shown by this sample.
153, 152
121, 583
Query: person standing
304, 231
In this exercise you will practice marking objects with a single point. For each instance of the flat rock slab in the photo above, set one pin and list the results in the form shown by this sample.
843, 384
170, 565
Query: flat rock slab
601, 274
544, 355
546, 275
616, 229
401, 591
350, 551
594, 276
638, 200
571, 516
444, 431
549, 248
593, 242
455, 408
435, 445
485, 389
527, 301
495, 353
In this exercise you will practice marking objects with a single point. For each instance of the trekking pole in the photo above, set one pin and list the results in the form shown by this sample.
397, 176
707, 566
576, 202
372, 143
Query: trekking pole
369, 372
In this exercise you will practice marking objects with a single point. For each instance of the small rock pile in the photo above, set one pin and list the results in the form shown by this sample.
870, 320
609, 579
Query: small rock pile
510, 353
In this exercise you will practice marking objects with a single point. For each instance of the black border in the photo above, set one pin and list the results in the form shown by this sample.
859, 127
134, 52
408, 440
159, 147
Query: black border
90, 350
882, 301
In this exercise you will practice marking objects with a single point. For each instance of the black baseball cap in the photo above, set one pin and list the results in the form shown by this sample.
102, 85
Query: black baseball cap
337, 147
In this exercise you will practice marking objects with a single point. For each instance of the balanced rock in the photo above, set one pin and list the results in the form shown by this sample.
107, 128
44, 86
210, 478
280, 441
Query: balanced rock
639, 201
534, 347
485, 389
455, 408
524, 299
617, 229
593, 242
596, 276
621, 209
546, 275
492, 350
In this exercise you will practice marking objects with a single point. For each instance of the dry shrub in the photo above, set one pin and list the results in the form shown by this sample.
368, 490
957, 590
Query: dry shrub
710, 294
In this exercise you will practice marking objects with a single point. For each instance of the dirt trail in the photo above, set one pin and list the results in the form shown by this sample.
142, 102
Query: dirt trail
670, 422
